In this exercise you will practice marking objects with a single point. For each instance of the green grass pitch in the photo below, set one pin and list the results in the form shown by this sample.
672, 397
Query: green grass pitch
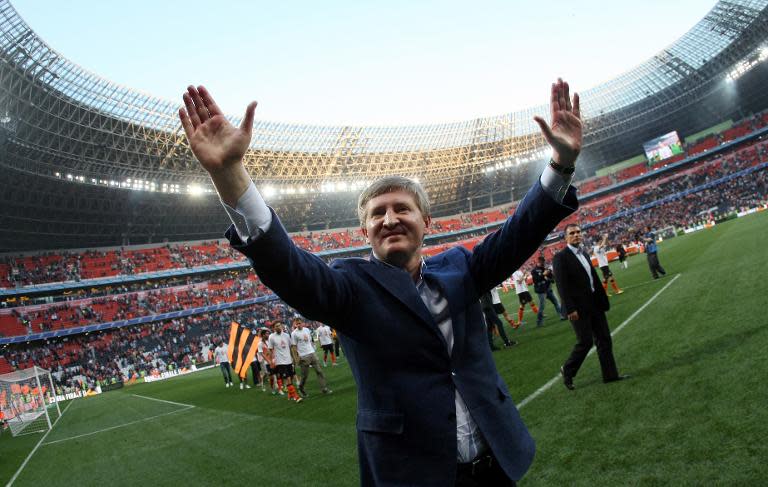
693, 413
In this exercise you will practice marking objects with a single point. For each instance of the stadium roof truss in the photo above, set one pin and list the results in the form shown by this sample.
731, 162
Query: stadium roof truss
62, 118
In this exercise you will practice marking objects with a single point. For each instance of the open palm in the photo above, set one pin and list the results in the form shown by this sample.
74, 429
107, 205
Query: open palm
566, 133
215, 142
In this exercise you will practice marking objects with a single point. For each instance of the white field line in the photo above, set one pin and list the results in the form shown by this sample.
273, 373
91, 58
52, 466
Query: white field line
644, 283
130, 423
556, 378
26, 460
163, 400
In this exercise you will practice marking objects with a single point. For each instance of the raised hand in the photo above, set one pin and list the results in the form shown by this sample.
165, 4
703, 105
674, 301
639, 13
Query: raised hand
217, 144
565, 134
214, 141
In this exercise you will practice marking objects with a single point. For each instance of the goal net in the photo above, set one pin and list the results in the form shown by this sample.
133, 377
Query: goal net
666, 233
28, 401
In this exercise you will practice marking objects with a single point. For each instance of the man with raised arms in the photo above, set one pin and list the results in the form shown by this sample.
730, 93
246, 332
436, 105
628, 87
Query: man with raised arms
433, 410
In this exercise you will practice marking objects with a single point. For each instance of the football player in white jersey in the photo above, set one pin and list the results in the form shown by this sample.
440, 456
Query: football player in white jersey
301, 340
601, 254
325, 335
279, 344
523, 295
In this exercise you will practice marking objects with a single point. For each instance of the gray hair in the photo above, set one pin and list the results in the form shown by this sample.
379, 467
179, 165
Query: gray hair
389, 184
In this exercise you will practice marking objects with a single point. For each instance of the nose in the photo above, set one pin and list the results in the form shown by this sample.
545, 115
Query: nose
390, 219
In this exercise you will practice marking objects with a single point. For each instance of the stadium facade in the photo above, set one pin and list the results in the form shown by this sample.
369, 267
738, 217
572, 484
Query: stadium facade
77, 151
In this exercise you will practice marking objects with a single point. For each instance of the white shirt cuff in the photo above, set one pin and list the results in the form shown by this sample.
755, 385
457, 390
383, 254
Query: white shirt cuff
555, 184
251, 216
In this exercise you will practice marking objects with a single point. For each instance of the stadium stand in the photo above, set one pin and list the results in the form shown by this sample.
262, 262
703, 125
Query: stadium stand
129, 305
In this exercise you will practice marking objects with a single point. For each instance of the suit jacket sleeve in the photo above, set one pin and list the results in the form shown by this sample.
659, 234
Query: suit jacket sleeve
504, 251
300, 278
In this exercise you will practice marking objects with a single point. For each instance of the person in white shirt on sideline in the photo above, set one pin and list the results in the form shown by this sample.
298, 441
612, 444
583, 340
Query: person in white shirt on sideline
279, 344
498, 306
301, 339
325, 335
265, 356
601, 254
221, 358
523, 295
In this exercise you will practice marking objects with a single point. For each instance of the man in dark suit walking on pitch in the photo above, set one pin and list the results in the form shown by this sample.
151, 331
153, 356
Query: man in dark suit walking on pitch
585, 303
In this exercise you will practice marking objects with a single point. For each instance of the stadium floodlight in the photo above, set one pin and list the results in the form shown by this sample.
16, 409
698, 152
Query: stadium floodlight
194, 189
745, 65
763, 54
28, 401
269, 191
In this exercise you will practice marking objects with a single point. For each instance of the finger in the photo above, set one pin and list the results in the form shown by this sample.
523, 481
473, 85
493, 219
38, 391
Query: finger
545, 130
553, 103
186, 123
211, 105
561, 94
576, 106
247, 123
202, 112
567, 93
191, 110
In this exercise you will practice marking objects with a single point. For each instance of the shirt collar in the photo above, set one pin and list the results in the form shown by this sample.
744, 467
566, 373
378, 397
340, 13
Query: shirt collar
375, 258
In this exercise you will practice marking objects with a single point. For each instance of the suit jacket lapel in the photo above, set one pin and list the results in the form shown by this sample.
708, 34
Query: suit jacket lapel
588, 273
451, 285
399, 284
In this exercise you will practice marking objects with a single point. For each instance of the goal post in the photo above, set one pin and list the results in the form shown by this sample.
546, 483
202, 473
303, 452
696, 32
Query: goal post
28, 401
666, 233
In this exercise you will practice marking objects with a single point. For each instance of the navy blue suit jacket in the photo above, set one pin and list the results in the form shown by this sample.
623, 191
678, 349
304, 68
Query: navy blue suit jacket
406, 378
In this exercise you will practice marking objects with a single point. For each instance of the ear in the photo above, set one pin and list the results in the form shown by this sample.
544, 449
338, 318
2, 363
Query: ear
364, 231
427, 221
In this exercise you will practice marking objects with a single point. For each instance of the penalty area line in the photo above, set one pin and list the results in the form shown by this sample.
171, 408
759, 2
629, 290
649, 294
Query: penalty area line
123, 425
541, 390
165, 401
39, 443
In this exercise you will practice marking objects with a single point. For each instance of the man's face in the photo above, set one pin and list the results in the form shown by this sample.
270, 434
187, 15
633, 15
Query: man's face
573, 236
394, 226
278, 328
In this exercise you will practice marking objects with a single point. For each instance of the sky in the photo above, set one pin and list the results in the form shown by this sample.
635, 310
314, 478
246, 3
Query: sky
361, 63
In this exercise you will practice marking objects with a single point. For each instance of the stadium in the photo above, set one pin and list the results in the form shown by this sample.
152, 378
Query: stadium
117, 285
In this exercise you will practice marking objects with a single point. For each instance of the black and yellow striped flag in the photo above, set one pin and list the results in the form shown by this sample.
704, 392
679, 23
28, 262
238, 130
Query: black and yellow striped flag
241, 339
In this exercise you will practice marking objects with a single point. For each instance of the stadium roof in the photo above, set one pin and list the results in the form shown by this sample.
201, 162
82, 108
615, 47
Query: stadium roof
690, 56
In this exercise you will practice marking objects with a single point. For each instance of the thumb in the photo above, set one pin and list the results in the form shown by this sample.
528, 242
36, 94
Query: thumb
545, 130
247, 124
